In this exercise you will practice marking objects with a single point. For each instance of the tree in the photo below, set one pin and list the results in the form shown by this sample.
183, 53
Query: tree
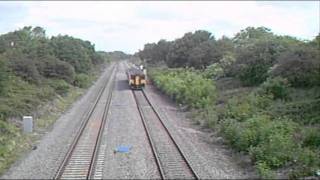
254, 61
38, 32
247, 36
180, 51
74, 51
155, 54
203, 55
23, 66
300, 65
51, 67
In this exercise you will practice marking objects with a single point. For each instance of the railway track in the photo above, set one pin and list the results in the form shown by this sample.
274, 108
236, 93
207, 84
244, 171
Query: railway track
79, 162
170, 159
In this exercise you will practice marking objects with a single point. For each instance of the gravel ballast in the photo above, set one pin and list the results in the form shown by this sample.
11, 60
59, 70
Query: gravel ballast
124, 127
43, 162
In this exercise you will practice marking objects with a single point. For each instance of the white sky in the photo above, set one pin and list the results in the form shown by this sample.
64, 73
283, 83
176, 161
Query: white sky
127, 26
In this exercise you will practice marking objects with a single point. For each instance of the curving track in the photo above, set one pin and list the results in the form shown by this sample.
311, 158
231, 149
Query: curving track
80, 160
171, 161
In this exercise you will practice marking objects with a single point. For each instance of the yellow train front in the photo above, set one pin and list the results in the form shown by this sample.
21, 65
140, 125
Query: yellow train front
136, 78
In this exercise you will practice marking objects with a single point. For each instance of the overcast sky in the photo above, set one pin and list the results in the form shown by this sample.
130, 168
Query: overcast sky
127, 26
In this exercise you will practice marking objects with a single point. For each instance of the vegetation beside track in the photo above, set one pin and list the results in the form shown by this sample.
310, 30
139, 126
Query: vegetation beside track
274, 132
264, 93
40, 76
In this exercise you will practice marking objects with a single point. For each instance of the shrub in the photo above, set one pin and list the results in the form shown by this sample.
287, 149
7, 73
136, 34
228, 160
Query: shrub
252, 75
306, 163
239, 108
207, 116
311, 137
82, 80
229, 129
25, 68
277, 87
300, 65
214, 71
245, 107
51, 67
251, 132
185, 86
268, 141
276, 146
302, 111
60, 86
264, 170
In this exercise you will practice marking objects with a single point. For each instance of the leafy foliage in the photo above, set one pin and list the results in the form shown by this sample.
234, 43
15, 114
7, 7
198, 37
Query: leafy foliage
253, 55
82, 80
185, 86
277, 87
300, 65
277, 121
33, 70
60, 86
76, 52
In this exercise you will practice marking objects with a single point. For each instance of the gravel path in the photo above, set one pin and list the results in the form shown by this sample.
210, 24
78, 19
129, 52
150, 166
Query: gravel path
43, 162
124, 127
205, 152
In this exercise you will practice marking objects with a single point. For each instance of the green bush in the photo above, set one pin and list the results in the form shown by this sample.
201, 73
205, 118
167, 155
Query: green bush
242, 108
51, 67
304, 111
277, 87
264, 170
275, 151
253, 74
213, 71
82, 80
300, 65
60, 86
185, 86
268, 141
306, 163
311, 137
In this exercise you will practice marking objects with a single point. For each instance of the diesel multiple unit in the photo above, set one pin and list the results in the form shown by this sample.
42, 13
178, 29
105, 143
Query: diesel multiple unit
136, 78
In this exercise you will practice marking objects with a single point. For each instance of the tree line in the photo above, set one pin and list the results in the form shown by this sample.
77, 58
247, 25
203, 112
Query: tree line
28, 53
252, 55
34, 68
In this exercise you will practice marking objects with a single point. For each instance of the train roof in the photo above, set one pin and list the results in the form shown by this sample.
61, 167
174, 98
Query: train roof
134, 71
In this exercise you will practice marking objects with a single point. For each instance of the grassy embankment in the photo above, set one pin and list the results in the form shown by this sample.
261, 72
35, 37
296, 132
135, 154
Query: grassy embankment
46, 102
277, 125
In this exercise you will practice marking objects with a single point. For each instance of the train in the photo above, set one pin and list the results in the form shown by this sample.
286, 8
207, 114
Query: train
136, 78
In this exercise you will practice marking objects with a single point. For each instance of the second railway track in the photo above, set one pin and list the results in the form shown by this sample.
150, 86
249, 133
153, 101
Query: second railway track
170, 159
79, 161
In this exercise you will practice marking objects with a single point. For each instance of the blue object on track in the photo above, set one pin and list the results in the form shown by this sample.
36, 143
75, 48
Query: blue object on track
123, 149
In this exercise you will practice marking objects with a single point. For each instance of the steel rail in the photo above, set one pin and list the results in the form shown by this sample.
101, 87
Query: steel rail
155, 155
81, 129
167, 131
98, 141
